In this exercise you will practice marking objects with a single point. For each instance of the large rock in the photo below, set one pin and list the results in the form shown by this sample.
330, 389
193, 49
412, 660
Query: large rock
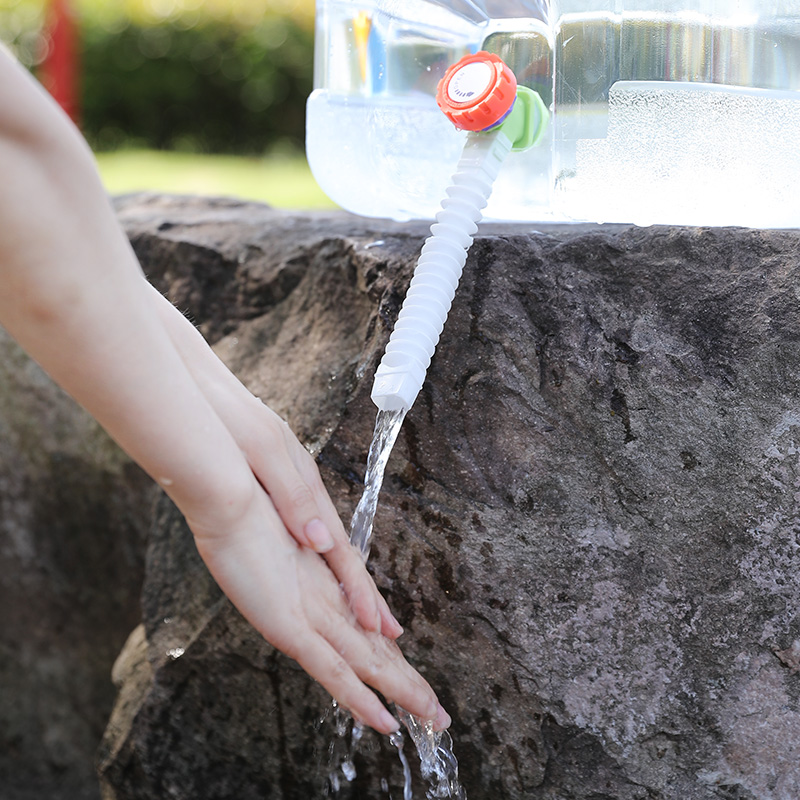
589, 526
74, 514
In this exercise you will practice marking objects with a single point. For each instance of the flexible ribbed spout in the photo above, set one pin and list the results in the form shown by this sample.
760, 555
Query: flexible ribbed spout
478, 94
416, 333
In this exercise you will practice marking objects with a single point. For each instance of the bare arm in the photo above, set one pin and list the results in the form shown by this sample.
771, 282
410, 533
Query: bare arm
75, 298
281, 464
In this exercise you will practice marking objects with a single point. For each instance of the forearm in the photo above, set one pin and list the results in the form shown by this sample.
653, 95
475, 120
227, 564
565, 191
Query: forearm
74, 297
219, 385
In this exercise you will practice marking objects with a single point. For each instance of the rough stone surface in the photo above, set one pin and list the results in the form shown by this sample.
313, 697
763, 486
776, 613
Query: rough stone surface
589, 526
74, 514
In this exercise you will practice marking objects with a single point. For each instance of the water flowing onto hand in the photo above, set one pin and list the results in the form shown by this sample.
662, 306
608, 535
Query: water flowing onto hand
438, 764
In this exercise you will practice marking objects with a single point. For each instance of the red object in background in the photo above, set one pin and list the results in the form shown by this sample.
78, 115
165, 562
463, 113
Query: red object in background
59, 72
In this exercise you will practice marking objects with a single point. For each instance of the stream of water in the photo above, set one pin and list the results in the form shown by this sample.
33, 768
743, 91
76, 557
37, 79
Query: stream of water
438, 763
387, 428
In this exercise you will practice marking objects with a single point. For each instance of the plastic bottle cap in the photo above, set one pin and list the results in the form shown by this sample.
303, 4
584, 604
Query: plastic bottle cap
477, 92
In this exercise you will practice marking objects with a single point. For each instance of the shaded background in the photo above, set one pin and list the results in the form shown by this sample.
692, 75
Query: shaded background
226, 77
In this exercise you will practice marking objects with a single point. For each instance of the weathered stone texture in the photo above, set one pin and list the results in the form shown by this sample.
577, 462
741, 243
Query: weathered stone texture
589, 526
74, 513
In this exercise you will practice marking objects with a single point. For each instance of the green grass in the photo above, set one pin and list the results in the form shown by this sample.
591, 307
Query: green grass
283, 181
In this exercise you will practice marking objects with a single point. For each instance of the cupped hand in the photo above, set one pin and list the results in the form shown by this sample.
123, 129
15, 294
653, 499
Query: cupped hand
291, 477
291, 596
281, 466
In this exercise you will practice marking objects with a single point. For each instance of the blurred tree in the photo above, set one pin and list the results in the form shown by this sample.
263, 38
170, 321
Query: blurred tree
148, 12
210, 87
213, 76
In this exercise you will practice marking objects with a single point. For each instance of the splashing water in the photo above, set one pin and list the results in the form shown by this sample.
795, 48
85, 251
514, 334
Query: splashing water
438, 763
437, 760
342, 749
397, 740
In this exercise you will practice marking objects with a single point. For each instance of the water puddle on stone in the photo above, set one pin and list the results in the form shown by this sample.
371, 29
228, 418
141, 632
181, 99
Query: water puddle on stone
438, 764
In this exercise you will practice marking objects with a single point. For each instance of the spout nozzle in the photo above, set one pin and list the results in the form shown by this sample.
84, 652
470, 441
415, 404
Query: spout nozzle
396, 388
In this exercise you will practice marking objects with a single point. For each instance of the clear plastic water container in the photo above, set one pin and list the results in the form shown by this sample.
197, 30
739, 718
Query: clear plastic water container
661, 111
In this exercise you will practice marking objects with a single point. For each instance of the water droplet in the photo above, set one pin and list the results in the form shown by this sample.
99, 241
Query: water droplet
349, 770
357, 733
175, 653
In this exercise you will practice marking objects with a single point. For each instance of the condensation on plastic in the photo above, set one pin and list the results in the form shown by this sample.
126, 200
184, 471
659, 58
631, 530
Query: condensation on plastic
401, 372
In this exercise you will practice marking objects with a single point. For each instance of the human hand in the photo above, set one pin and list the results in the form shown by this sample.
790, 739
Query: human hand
75, 298
291, 478
283, 468
289, 594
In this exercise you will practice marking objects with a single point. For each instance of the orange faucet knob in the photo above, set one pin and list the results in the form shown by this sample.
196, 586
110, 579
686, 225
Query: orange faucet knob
477, 92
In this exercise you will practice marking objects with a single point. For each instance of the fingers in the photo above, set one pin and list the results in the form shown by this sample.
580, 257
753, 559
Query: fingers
378, 662
292, 480
346, 562
368, 604
390, 627
353, 659
320, 660
346, 676
294, 495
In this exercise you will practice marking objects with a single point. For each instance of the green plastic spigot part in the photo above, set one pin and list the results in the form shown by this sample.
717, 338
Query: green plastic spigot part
527, 121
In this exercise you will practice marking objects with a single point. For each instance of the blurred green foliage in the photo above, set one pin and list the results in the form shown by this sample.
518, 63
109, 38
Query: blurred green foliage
226, 77
208, 88
186, 12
